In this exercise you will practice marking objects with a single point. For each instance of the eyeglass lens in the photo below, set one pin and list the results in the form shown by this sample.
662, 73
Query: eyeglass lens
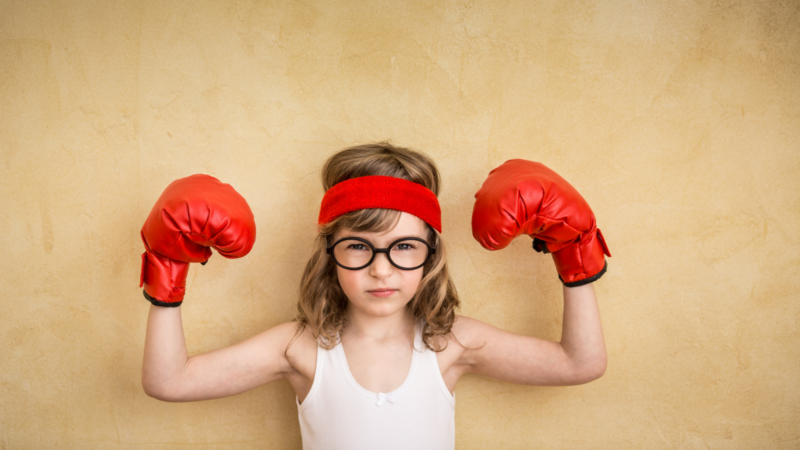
407, 254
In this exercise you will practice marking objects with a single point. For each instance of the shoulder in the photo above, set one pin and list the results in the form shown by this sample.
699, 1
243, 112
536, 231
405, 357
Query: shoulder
288, 350
300, 347
467, 334
282, 335
467, 330
471, 340
290, 343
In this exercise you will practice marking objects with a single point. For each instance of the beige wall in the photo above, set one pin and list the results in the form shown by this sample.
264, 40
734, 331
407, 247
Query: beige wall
679, 122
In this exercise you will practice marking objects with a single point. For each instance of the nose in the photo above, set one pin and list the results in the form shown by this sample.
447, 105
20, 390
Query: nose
381, 267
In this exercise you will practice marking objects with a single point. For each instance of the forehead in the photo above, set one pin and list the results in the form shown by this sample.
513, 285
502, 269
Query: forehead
409, 225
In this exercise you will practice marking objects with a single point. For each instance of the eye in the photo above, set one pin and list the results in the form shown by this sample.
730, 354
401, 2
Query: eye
356, 247
405, 246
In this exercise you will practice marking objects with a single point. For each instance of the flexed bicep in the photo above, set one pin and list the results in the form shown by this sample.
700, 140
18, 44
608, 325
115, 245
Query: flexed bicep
515, 358
231, 370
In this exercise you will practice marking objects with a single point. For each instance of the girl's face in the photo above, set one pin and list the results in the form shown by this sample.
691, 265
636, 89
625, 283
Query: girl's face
360, 286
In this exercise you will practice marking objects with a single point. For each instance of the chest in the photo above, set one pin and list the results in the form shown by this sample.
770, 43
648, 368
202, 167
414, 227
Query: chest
379, 368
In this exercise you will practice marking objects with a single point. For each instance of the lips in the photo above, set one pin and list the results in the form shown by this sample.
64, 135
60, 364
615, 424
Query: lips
384, 293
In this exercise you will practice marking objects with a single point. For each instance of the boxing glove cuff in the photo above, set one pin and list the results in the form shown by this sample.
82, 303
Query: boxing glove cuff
164, 280
582, 262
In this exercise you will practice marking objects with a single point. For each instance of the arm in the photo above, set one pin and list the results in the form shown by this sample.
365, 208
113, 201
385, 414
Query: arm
164, 350
582, 333
169, 375
579, 358
191, 216
526, 197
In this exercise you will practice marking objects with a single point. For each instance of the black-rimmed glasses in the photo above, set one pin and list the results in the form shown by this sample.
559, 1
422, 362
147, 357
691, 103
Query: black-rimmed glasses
354, 253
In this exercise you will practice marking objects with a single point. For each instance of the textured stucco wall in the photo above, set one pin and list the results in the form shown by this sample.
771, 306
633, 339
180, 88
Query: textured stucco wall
679, 122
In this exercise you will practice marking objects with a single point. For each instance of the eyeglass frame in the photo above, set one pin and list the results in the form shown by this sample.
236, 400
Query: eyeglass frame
375, 251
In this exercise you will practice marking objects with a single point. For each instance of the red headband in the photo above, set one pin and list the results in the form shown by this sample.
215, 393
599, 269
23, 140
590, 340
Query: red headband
381, 192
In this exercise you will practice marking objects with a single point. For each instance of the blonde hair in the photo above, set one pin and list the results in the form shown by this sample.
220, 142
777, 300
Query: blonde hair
322, 303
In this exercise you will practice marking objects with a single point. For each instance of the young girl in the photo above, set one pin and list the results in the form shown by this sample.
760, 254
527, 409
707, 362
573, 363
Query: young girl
377, 349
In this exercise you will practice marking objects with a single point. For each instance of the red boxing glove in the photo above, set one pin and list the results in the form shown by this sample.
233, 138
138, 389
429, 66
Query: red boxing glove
525, 197
193, 214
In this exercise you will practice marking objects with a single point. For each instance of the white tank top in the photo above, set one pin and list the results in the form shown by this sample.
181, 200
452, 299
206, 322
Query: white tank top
338, 413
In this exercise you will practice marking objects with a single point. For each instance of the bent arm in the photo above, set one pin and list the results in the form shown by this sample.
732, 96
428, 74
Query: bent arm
579, 358
169, 375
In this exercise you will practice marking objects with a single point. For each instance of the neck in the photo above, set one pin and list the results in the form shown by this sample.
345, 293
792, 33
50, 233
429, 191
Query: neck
379, 328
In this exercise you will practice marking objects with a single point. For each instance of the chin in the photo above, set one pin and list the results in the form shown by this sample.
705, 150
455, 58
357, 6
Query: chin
384, 311
382, 308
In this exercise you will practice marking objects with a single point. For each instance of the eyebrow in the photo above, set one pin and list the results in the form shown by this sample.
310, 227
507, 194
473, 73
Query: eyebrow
348, 235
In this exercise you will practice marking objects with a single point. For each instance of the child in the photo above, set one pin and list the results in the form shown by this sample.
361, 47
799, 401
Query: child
377, 349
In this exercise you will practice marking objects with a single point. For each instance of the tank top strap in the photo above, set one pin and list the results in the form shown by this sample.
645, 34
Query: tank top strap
432, 361
419, 345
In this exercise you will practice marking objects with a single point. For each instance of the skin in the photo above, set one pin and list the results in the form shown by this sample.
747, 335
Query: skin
379, 337
377, 342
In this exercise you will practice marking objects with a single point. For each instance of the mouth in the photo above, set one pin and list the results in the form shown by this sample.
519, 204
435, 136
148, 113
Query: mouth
382, 292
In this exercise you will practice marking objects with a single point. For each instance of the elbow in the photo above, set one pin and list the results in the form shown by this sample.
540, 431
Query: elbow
589, 373
595, 371
157, 392
598, 372
152, 391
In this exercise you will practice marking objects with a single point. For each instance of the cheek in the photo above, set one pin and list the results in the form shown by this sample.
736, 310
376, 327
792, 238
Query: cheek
413, 279
348, 280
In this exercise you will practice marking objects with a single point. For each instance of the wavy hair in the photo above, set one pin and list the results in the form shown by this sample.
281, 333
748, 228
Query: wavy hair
322, 303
